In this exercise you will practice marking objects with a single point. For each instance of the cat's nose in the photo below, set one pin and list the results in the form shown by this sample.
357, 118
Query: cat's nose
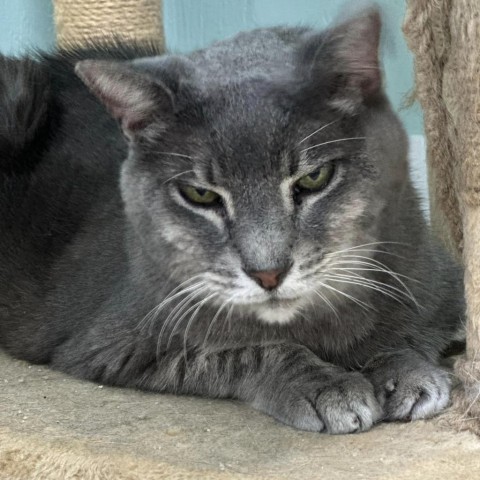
269, 279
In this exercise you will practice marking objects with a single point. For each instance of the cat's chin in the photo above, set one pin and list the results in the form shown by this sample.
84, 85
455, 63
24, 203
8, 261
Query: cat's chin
278, 312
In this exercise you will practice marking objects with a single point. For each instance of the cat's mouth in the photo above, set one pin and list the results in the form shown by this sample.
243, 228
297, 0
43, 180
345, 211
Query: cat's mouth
281, 302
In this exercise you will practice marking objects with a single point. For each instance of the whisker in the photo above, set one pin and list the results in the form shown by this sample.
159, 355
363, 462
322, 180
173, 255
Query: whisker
328, 302
177, 175
166, 300
190, 322
228, 317
387, 270
332, 141
372, 250
406, 291
174, 314
373, 262
369, 245
214, 319
364, 305
176, 154
363, 283
178, 320
171, 298
372, 269
318, 130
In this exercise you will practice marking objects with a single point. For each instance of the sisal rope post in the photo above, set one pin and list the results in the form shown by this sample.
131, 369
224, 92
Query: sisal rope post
426, 27
444, 37
80, 22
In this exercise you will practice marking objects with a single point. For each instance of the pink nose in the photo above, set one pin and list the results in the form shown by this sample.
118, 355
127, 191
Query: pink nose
268, 279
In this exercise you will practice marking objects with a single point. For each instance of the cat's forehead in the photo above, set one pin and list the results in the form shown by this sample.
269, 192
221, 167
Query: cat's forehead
246, 123
251, 96
248, 112
259, 115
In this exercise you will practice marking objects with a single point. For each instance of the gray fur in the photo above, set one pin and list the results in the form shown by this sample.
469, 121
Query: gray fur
150, 291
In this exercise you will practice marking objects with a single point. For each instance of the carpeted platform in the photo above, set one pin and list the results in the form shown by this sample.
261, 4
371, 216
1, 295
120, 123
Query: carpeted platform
55, 427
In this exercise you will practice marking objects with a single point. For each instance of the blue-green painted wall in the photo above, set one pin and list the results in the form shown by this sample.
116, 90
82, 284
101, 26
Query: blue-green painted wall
26, 25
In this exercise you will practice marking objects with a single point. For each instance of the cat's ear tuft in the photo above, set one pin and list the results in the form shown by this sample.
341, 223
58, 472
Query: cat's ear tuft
134, 98
347, 57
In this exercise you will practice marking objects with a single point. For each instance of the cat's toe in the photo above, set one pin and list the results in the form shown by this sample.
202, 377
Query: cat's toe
411, 391
292, 408
348, 405
344, 404
305, 417
418, 395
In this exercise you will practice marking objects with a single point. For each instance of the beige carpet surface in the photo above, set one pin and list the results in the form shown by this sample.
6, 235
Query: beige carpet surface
56, 427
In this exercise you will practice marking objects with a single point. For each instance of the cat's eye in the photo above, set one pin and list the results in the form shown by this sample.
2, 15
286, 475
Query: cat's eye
316, 180
200, 195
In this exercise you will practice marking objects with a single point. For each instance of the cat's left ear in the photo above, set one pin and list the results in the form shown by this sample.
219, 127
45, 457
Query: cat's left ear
133, 97
345, 60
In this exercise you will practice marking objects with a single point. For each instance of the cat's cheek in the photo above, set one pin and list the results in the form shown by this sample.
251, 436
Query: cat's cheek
180, 239
348, 214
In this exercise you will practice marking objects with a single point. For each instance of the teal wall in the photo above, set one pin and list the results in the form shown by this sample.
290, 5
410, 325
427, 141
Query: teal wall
26, 25
189, 24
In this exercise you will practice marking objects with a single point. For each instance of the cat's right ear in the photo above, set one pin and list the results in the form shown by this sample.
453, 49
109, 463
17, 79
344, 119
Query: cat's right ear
342, 64
141, 103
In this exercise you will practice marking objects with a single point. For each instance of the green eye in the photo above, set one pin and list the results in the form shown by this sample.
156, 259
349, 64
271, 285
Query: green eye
200, 195
317, 179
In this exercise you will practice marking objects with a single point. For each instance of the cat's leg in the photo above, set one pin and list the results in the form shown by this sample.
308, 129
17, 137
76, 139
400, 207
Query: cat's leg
408, 386
286, 381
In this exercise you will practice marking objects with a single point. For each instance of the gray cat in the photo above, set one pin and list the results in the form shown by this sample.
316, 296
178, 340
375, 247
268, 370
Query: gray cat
260, 238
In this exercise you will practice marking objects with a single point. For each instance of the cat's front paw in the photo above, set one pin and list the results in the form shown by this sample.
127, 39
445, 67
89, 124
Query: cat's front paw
344, 404
347, 404
408, 387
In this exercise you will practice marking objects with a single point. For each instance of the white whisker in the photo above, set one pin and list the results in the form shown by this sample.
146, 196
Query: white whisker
332, 141
328, 302
372, 269
376, 263
173, 297
318, 130
368, 245
364, 305
176, 154
214, 319
177, 175
168, 298
364, 283
178, 320
189, 324
228, 316
178, 310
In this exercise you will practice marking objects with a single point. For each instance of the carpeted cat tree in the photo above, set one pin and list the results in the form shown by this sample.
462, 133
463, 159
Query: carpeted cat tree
444, 36
54, 427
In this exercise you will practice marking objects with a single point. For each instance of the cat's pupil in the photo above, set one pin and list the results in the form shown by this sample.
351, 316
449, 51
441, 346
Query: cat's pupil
201, 191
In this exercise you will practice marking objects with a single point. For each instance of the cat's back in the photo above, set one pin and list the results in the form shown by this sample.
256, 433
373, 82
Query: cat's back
264, 51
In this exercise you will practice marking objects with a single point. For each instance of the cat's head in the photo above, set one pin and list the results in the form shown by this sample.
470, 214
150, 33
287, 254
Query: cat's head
253, 189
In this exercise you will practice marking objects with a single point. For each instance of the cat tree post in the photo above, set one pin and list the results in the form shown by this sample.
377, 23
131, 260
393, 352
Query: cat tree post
81, 21
444, 37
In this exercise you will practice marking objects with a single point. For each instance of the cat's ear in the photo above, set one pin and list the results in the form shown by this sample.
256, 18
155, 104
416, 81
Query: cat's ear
347, 56
133, 97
